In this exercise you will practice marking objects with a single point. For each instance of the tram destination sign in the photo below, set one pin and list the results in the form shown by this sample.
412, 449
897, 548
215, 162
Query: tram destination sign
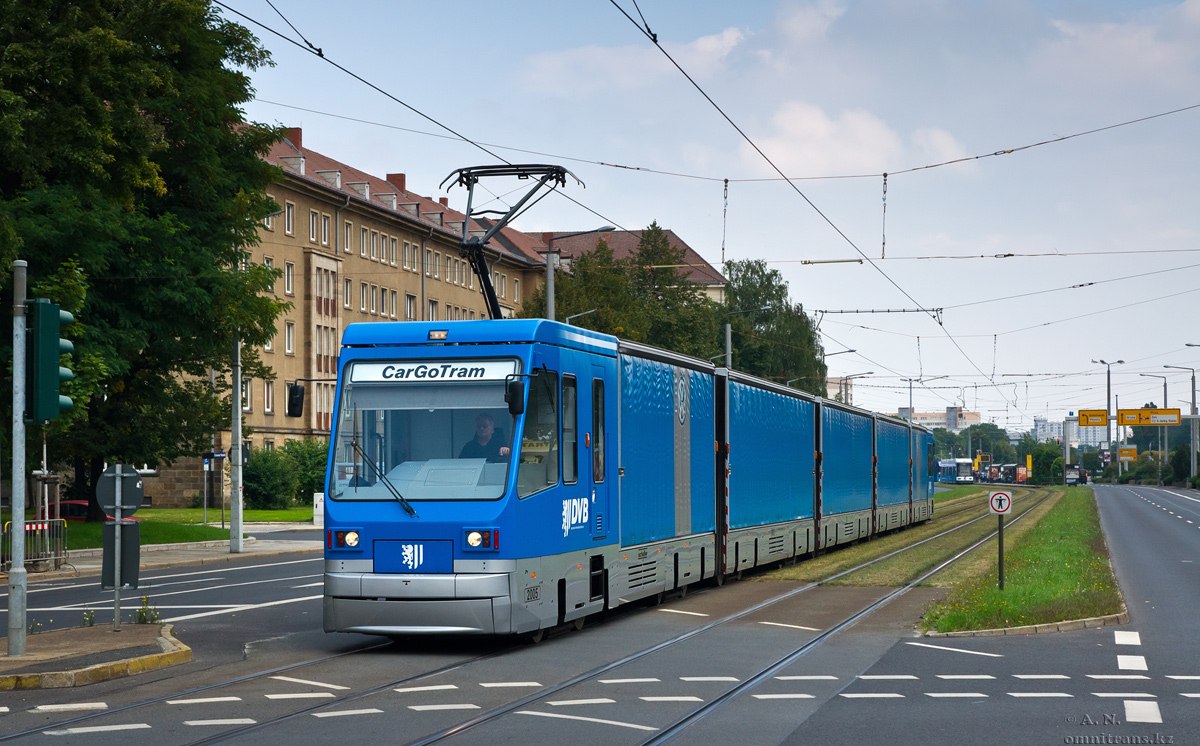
426, 371
1136, 417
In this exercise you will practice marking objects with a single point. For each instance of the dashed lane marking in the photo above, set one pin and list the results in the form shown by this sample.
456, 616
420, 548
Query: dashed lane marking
1125, 695
301, 695
1127, 638
680, 611
434, 688
243, 608
503, 684
1192, 695
1116, 676
571, 702
1142, 712
871, 695
1030, 695
806, 678
790, 626
709, 678
562, 716
630, 681
1040, 676
670, 699
964, 676
341, 713
228, 721
202, 700
1185, 678
888, 677
953, 695
426, 708
310, 683
1132, 663
95, 729
72, 706
782, 696
953, 650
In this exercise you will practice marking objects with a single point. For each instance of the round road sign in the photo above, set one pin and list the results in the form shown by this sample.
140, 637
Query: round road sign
1000, 503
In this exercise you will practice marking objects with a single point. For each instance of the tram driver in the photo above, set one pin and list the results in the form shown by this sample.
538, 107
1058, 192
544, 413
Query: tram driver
488, 442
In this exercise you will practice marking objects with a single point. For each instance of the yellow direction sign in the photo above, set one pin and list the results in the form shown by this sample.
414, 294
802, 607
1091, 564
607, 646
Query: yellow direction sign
1136, 417
1127, 453
1093, 418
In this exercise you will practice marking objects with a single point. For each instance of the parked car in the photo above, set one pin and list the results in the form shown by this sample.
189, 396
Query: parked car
75, 510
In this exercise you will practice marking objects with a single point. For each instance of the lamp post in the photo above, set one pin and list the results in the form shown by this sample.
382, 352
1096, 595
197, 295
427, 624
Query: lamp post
910, 382
1193, 448
729, 333
1162, 455
845, 385
577, 315
550, 265
831, 354
1108, 414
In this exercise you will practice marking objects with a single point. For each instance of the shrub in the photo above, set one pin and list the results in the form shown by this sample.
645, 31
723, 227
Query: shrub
308, 459
269, 479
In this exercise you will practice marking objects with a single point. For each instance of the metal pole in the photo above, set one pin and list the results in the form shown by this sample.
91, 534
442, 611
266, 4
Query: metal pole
117, 555
550, 279
1000, 537
728, 344
1165, 433
1193, 423
235, 453
16, 574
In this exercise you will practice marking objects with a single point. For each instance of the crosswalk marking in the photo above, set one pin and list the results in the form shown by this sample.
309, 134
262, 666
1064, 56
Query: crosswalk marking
1142, 712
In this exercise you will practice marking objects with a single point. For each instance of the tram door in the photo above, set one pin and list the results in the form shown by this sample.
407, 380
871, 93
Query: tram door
598, 452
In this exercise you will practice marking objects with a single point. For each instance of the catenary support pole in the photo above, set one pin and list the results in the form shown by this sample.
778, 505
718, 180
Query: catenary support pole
16, 573
235, 455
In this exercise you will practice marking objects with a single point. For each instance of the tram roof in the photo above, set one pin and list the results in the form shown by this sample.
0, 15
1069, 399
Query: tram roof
485, 331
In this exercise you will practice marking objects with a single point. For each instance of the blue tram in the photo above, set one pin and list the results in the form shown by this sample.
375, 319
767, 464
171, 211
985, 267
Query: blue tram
507, 476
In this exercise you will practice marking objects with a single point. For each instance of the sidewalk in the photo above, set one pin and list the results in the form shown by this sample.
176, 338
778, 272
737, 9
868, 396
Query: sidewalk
85, 655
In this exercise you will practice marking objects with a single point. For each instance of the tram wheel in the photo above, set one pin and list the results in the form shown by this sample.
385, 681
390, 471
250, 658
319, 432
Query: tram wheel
683, 591
579, 624
536, 637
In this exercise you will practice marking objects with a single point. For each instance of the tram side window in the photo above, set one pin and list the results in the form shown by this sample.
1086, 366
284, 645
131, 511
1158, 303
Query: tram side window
570, 431
539, 441
597, 430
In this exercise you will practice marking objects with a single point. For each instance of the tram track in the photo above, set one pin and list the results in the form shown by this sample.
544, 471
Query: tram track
546, 692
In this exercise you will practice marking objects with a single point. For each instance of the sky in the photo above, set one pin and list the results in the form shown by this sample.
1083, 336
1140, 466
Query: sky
1029, 264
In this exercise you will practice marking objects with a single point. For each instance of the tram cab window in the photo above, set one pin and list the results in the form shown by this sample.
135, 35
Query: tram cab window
597, 430
570, 431
539, 441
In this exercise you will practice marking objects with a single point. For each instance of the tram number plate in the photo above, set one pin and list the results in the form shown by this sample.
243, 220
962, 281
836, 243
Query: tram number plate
532, 593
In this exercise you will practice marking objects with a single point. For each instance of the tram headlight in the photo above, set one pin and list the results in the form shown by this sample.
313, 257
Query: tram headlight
475, 539
351, 538
482, 538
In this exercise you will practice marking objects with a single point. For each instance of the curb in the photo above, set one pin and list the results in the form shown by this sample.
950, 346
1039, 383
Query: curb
173, 653
95, 552
1039, 629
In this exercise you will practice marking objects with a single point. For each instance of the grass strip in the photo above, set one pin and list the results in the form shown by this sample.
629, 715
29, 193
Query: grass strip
958, 492
1056, 571
175, 525
844, 558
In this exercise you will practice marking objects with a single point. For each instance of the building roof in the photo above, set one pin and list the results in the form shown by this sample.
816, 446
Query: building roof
625, 243
391, 194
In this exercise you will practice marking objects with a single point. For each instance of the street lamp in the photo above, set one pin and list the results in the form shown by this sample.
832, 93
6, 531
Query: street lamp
1108, 402
791, 381
729, 333
550, 264
1162, 456
577, 315
844, 384
1193, 448
831, 354
911, 381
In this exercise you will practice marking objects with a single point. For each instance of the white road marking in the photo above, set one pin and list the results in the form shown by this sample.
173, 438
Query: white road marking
498, 684
679, 611
708, 678
1132, 663
1190, 694
202, 700
1040, 694
3, 709
1127, 638
1039, 676
963, 676
570, 702
436, 688
310, 585
301, 695
1142, 712
629, 681
340, 713
782, 696
154, 596
1125, 695
95, 729
873, 695
790, 626
806, 678
953, 650
1185, 497
310, 683
949, 695
425, 708
72, 706
888, 677
670, 699
244, 608
560, 715
1116, 676
1185, 678
230, 721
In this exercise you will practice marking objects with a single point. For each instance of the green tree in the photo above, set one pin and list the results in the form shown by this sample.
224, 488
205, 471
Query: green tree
270, 480
308, 457
131, 184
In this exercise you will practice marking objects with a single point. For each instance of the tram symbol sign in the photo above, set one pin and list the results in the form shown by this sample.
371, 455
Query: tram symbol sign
1000, 503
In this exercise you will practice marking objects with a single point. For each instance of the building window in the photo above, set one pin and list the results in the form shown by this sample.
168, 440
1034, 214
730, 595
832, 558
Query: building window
407, 255
374, 244
270, 345
516, 290
289, 218
383, 297
289, 337
432, 311
410, 307
312, 226
449, 312
437, 262
449, 268
392, 256
269, 222
324, 230
503, 281
268, 445
362, 297
363, 238
349, 232
392, 311
347, 286
289, 278
428, 261
373, 310
246, 395
268, 397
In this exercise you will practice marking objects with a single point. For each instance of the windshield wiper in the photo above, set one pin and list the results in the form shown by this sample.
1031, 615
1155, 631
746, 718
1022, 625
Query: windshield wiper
408, 508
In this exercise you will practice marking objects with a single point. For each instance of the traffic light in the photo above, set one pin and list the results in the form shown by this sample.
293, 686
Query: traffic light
44, 347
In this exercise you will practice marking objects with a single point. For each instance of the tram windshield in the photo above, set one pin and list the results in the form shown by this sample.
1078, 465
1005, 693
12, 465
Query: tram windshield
432, 439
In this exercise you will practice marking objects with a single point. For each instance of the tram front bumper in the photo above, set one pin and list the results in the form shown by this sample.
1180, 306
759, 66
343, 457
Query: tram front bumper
385, 604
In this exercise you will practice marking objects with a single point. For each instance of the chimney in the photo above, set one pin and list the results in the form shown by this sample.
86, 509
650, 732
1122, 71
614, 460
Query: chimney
398, 181
295, 136
444, 201
547, 238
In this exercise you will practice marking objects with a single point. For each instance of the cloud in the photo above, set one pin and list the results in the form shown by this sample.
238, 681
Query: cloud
576, 73
800, 22
936, 145
806, 141
1114, 54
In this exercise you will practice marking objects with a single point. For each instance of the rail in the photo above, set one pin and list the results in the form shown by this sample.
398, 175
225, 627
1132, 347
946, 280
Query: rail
45, 545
